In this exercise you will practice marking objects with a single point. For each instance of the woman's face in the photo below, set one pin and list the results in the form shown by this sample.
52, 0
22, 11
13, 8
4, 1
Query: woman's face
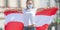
29, 4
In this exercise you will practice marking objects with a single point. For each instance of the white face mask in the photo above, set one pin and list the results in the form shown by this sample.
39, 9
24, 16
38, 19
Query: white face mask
30, 6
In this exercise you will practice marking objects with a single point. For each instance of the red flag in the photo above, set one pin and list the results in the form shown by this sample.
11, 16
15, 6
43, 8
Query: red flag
10, 11
14, 26
13, 20
44, 18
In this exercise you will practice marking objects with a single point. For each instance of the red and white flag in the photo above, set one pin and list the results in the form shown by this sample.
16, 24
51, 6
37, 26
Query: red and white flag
13, 20
44, 18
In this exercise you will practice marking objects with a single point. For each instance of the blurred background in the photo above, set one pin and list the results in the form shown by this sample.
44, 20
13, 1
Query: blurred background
6, 4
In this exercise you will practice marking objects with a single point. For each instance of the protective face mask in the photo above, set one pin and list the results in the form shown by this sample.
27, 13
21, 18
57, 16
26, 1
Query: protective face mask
30, 6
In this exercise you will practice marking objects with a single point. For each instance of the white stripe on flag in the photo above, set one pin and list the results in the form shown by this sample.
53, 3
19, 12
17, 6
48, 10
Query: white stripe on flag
14, 17
40, 20
44, 18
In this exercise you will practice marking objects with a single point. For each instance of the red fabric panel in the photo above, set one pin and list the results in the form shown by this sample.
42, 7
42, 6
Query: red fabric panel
9, 11
44, 27
49, 11
14, 26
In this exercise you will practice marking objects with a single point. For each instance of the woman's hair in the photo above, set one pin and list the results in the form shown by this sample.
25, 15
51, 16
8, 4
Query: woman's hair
27, 1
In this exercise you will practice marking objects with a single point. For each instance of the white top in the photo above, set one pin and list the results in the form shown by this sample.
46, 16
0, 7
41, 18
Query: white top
29, 15
33, 11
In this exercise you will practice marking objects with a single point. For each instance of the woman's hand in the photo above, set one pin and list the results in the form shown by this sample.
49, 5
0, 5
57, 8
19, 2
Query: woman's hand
31, 25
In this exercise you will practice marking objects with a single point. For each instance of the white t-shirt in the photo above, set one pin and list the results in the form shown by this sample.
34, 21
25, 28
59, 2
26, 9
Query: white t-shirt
29, 15
33, 11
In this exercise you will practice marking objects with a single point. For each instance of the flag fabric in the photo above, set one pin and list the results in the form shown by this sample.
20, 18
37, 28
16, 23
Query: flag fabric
44, 18
10, 11
13, 20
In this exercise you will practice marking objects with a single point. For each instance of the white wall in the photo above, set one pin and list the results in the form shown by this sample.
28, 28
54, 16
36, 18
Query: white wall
12, 3
23, 3
52, 3
2, 16
1, 3
36, 3
2, 24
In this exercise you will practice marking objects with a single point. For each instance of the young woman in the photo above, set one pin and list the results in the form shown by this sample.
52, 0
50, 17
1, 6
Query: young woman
29, 14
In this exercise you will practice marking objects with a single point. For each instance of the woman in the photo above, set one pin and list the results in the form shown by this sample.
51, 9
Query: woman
29, 14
